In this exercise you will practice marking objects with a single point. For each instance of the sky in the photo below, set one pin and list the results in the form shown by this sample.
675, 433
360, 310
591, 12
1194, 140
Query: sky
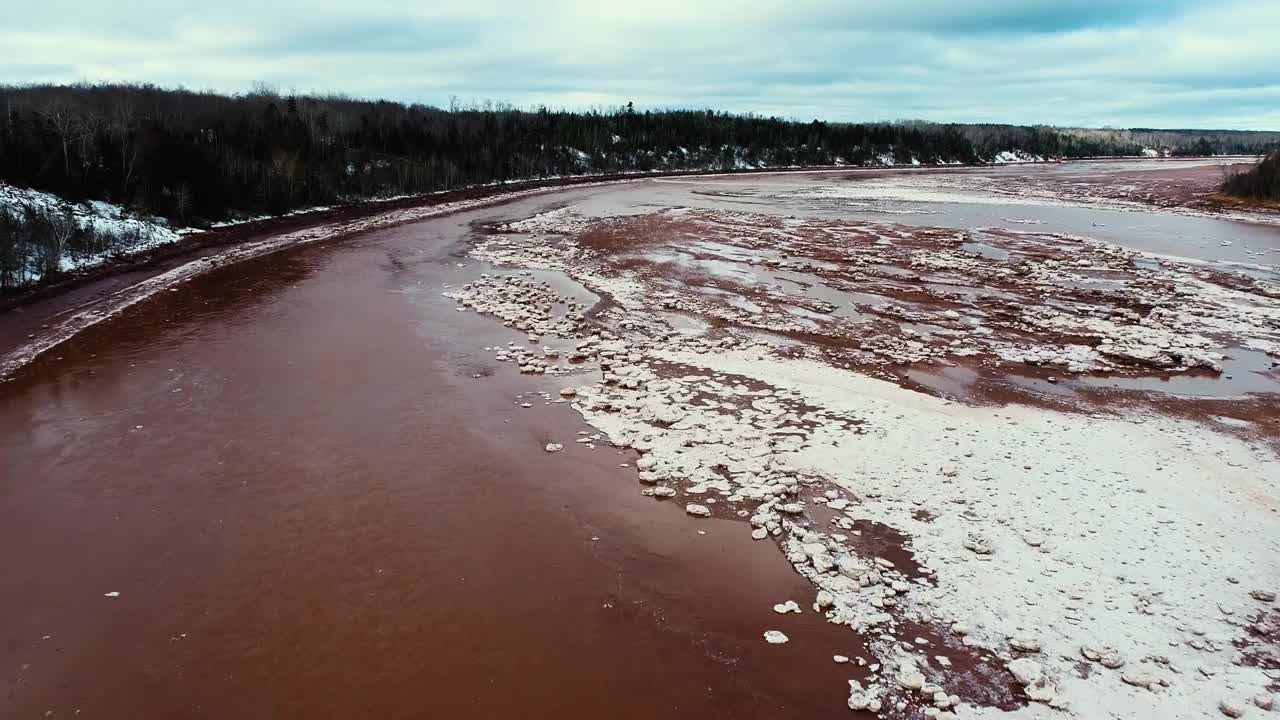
1169, 64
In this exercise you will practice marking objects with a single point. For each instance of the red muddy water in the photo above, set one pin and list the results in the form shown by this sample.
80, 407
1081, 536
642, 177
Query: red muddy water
310, 507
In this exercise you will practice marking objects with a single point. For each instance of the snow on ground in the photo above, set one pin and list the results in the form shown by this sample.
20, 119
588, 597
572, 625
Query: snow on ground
1112, 566
913, 188
292, 213
1141, 533
1005, 157
1109, 563
130, 233
1030, 190
563, 221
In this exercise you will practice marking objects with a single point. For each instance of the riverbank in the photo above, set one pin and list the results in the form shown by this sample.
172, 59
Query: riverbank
1239, 203
1190, 187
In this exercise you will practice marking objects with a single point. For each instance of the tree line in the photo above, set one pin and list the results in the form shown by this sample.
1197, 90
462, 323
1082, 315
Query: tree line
1260, 184
197, 157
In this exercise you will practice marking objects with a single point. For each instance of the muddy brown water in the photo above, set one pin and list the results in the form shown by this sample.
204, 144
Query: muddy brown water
311, 508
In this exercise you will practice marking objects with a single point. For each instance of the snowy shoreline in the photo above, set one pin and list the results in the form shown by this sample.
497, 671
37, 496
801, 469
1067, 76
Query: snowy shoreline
1111, 566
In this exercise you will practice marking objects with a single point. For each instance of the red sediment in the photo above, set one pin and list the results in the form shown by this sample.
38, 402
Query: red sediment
1259, 645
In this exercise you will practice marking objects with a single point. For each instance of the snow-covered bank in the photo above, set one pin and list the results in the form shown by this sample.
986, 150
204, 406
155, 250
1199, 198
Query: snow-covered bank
1049, 190
1110, 563
1119, 565
87, 234
1139, 533
1009, 157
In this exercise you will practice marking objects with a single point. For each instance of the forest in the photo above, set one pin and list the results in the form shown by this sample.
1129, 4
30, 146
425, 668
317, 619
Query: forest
197, 157
1260, 184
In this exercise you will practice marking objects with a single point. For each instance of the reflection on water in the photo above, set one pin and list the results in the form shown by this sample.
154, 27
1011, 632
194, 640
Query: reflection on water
1244, 371
985, 250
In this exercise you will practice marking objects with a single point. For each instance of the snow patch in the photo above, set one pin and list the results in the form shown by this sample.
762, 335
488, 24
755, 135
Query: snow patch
126, 232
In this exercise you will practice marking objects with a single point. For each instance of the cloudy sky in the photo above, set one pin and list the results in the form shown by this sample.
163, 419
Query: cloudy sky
1147, 63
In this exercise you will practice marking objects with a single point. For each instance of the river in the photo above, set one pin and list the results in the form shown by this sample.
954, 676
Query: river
299, 486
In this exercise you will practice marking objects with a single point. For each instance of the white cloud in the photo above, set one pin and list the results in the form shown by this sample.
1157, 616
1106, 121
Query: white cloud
1095, 62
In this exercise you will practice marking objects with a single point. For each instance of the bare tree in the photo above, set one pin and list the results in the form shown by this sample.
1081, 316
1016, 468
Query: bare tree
64, 123
182, 200
284, 165
87, 127
122, 119
62, 228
